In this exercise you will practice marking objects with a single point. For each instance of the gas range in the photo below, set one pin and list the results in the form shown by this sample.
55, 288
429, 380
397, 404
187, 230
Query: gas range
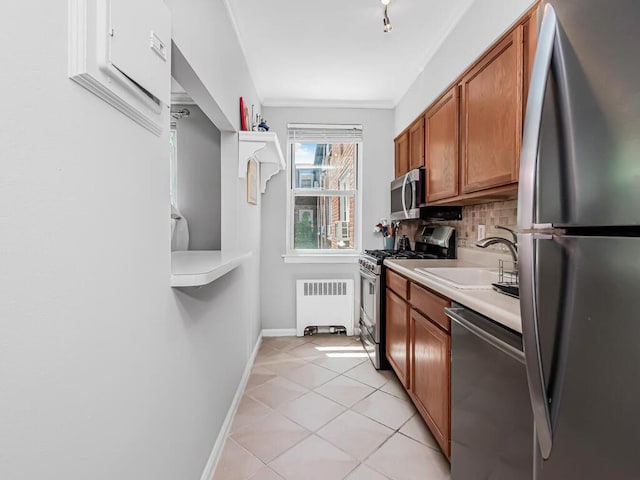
372, 260
434, 243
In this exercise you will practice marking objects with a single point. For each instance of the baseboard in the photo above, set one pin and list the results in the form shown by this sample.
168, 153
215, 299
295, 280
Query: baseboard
214, 457
279, 332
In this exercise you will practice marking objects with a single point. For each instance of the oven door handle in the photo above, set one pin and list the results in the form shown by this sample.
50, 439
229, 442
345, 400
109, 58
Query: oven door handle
370, 276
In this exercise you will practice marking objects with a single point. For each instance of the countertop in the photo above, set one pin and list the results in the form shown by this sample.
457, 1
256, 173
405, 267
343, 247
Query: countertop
498, 307
194, 268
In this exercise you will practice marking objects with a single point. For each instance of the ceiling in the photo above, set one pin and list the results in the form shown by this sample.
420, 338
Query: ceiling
335, 53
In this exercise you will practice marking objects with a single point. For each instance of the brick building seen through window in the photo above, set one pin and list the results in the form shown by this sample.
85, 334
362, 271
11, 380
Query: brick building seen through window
324, 196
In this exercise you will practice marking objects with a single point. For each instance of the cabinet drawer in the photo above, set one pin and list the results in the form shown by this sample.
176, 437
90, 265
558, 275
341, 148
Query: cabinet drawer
430, 305
398, 284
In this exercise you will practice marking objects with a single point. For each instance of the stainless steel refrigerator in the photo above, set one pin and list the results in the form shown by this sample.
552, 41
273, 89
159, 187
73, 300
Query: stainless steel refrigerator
579, 241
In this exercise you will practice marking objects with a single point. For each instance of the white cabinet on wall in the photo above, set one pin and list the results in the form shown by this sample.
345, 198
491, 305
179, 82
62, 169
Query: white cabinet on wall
121, 51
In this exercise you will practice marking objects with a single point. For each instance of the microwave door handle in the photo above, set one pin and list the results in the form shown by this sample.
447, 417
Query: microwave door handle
404, 198
413, 196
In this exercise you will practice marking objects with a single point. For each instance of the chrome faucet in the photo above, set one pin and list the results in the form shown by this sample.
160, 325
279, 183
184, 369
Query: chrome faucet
511, 245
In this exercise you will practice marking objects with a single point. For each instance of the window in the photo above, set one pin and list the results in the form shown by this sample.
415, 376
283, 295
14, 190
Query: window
323, 205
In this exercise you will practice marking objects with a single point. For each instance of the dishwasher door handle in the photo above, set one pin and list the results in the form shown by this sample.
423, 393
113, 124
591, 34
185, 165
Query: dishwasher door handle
464, 318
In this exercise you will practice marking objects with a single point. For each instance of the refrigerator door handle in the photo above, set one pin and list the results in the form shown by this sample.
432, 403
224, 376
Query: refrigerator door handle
531, 343
533, 119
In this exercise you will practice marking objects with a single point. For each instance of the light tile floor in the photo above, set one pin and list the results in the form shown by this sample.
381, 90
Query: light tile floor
315, 408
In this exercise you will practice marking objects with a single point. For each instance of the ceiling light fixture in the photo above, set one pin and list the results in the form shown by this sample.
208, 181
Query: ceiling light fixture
385, 20
385, 2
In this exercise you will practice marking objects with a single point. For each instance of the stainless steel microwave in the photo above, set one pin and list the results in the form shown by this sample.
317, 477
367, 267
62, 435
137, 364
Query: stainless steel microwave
407, 194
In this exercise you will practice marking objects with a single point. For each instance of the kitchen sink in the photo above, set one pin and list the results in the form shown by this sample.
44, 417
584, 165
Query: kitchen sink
511, 289
463, 278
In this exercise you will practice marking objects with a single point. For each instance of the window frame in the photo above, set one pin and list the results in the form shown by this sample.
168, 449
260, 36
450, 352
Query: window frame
324, 253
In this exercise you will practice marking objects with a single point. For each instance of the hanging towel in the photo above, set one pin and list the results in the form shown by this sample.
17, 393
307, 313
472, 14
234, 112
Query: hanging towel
179, 230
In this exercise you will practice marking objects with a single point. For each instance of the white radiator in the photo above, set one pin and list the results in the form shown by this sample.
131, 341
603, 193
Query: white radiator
324, 303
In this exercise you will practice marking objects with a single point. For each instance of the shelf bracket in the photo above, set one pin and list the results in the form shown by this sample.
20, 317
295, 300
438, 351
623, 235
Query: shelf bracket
264, 147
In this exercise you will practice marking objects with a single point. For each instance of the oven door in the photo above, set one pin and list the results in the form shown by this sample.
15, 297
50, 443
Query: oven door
370, 302
371, 347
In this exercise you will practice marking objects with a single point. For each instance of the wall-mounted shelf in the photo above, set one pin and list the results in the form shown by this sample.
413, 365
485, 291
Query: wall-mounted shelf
194, 268
265, 148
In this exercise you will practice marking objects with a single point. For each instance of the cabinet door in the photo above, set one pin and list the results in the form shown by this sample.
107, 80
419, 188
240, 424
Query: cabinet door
431, 377
416, 144
492, 116
402, 154
441, 129
140, 44
398, 336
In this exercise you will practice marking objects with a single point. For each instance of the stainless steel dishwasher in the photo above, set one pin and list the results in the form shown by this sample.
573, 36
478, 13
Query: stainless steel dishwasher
491, 417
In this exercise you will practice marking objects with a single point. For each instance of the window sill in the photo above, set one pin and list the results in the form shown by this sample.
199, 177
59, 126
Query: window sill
321, 258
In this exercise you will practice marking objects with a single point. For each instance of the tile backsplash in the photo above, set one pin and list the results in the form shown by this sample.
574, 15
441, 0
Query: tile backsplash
488, 214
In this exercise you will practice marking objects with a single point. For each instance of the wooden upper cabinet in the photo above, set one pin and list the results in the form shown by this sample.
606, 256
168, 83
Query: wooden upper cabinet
441, 146
402, 154
492, 111
530, 42
416, 144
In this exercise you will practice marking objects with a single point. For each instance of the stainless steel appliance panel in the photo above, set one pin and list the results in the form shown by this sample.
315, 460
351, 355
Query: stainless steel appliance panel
407, 193
585, 133
491, 419
370, 296
371, 346
581, 330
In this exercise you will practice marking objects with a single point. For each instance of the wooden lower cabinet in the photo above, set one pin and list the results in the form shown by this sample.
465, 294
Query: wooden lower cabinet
397, 323
419, 351
430, 353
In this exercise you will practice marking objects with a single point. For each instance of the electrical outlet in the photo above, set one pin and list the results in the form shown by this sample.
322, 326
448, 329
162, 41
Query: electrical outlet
482, 232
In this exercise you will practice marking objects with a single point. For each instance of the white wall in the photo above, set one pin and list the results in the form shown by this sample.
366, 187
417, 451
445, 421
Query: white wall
477, 29
105, 371
198, 176
278, 278
203, 32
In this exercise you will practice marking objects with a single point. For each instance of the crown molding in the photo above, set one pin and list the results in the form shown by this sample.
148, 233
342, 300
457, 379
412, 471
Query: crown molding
297, 103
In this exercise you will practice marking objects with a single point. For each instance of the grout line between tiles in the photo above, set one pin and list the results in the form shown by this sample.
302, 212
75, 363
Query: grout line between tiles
421, 443
242, 448
285, 451
309, 433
